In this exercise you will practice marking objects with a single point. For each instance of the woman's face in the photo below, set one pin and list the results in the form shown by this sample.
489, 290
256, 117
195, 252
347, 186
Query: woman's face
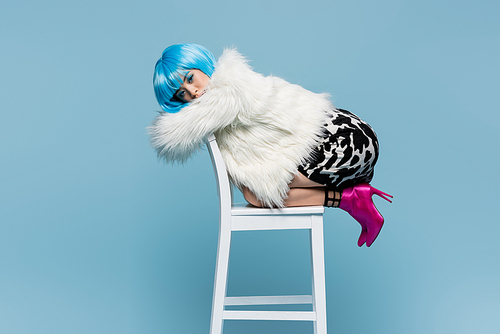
193, 86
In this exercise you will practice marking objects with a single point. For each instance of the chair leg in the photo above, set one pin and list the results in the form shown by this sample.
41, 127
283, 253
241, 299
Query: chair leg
220, 282
318, 274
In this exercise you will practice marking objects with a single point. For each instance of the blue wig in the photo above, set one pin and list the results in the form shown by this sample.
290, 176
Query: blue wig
171, 68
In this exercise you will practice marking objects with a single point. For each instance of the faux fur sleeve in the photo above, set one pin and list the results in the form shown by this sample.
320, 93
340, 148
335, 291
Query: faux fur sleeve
176, 137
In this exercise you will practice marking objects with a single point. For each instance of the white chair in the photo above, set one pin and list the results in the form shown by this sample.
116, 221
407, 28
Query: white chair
247, 218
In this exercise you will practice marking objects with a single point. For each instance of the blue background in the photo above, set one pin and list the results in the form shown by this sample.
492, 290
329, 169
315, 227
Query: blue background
97, 236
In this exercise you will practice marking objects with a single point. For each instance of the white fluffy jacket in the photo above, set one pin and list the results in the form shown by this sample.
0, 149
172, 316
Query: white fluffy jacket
265, 127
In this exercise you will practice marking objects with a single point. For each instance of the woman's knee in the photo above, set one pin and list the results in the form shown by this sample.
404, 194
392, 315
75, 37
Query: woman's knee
250, 197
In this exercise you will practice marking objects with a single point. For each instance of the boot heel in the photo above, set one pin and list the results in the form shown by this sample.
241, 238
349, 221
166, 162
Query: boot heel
381, 194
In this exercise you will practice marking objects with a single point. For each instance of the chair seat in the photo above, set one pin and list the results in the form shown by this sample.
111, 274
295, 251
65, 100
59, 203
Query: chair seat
250, 218
244, 209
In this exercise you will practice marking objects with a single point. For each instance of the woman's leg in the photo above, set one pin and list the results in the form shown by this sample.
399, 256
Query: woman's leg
296, 197
300, 181
303, 192
357, 202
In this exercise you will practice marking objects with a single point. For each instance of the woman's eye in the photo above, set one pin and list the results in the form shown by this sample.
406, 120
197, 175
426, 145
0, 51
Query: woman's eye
180, 95
190, 78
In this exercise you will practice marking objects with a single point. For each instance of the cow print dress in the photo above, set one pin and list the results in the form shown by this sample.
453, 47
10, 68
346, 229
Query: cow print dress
346, 154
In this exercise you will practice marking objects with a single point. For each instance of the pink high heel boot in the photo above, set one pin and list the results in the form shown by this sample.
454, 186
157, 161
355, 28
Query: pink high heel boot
357, 201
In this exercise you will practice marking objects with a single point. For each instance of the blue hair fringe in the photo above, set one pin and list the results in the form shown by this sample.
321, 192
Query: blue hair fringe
169, 71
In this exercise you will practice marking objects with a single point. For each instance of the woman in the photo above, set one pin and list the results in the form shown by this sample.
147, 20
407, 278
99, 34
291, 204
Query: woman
282, 144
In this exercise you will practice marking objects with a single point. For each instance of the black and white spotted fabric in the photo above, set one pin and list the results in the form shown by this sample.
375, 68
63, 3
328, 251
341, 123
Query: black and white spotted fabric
347, 154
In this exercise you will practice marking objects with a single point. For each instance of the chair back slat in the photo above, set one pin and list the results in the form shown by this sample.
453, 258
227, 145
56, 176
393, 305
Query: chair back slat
223, 185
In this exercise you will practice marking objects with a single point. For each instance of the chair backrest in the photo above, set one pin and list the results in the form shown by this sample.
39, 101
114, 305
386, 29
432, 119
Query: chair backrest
222, 179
